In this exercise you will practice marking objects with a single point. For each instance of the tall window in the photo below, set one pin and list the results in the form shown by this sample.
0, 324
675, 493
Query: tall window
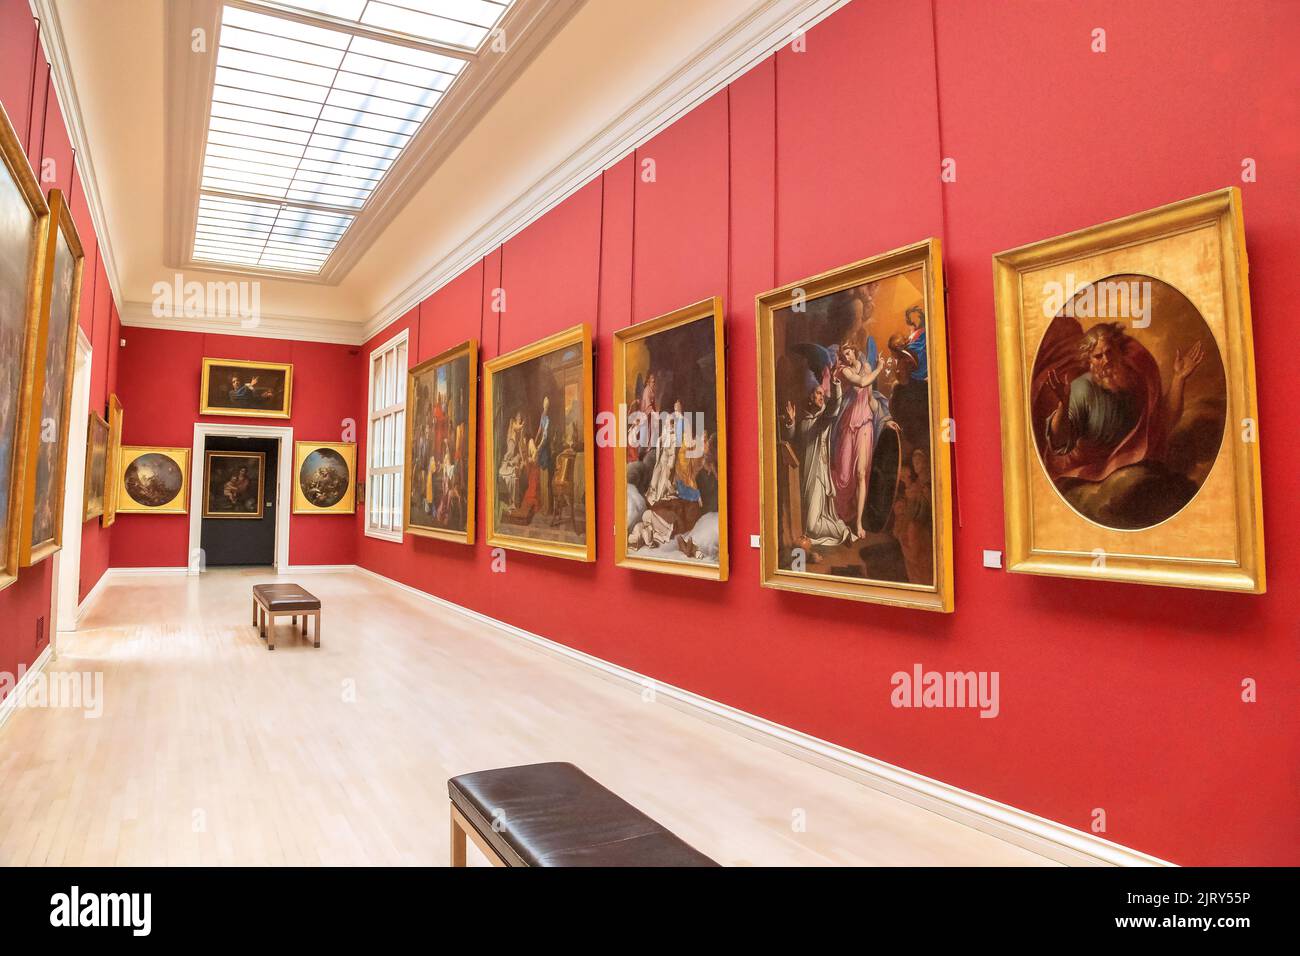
386, 439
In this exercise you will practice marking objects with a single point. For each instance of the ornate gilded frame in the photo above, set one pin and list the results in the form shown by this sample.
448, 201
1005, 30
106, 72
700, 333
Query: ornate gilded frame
579, 335
97, 421
346, 505
260, 457
1211, 221
468, 349
207, 409
177, 506
927, 256
114, 463
708, 309
17, 167
60, 223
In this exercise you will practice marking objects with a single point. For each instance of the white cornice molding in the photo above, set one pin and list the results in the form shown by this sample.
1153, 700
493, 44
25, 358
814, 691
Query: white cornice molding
768, 26
51, 39
140, 315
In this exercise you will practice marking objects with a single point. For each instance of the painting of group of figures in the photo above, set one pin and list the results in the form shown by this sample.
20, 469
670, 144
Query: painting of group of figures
670, 470
539, 435
442, 398
854, 406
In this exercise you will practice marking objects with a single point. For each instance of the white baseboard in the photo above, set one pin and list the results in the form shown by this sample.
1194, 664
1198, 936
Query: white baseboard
144, 572
10, 703
317, 568
93, 594
1050, 839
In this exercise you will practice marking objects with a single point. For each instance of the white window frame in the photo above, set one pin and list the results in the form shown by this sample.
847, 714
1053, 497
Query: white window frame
376, 416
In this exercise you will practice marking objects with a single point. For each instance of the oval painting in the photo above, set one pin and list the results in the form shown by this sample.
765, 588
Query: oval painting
1129, 401
324, 477
153, 480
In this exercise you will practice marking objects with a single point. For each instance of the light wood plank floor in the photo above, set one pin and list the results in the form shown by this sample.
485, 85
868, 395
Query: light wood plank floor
212, 751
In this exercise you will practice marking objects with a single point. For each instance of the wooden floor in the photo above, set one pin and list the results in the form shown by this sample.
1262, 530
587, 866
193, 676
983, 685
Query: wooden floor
212, 750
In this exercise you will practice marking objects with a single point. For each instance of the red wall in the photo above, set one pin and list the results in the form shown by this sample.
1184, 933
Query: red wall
28, 96
158, 383
1114, 696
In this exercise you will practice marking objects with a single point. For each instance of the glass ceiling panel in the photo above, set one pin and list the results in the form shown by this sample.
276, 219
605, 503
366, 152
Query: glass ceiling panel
306, 119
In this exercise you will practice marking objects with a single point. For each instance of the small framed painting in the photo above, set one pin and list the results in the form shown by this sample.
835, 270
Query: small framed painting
233, 483
854, 435
541, 465
114, 463
324, 478
24, 230
1130, 431
441, 440
247, 389
51, 408
670, 472
96, 467
153, 480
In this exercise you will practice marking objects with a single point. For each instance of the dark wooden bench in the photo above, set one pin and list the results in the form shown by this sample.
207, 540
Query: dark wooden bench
284, 600
553, 814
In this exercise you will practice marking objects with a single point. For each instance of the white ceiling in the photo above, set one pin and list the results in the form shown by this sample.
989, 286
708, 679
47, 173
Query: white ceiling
604, 62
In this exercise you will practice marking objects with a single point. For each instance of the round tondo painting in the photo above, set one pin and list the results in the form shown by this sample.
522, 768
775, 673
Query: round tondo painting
153, 480
1129, 401
324, 477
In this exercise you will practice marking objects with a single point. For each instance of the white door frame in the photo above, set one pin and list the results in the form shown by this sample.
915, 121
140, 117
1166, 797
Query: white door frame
283, 498
67, 560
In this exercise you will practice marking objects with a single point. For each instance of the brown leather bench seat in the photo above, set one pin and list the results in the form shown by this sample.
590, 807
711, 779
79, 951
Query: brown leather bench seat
553, 814
284, 600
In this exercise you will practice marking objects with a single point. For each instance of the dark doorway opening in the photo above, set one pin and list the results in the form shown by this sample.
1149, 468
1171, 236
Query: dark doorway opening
238, 541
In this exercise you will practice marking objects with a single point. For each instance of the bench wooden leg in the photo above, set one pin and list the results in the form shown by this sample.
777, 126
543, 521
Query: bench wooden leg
254, 612
457, 843
315, 628
270, 631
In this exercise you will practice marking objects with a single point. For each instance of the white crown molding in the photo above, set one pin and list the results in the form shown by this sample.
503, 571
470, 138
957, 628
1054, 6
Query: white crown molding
1050, 839
768, 26
140, 315
51, 39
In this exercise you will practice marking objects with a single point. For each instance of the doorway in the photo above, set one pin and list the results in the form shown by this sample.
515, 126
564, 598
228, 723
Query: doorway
67, 560
238, 540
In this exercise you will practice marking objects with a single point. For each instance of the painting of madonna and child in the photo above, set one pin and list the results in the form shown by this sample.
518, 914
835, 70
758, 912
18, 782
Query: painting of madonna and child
670, 468
539, 438
855, 450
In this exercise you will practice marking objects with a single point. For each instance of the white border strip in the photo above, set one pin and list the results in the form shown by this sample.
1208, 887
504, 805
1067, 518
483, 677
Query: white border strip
10, 703
1048, 838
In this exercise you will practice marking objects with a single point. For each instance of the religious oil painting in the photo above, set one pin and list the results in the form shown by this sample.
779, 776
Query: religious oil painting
51, 410
670, 490
113, 465
97, 439
153, 480
1130, 432
233, 483
441, 435
541, 464
855, 433
325, 478
251, 389
24, 221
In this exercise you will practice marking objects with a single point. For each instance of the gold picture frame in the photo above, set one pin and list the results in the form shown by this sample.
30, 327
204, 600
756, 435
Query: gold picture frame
21, 285
419, 472
1172, 500
319, 494
95, 483
271, 401
114, 463
506, 374
635, 363
145, 477
259, 457
56, 354
909, 280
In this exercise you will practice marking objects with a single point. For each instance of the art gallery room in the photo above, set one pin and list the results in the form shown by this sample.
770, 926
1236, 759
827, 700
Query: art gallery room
687, 433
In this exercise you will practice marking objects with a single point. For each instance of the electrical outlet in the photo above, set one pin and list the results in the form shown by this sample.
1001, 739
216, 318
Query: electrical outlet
40, 631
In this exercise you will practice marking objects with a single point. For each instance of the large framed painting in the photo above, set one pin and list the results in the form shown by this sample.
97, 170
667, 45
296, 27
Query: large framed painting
247, 389
233, 483
24, 229
324, 478
153, 480
670, 470
51, 408
541, 466
96, 467
114, 463
854, 433
441, 435
1130, 436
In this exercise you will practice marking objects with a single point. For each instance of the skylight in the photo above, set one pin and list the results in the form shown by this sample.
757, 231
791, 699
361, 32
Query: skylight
306, 120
